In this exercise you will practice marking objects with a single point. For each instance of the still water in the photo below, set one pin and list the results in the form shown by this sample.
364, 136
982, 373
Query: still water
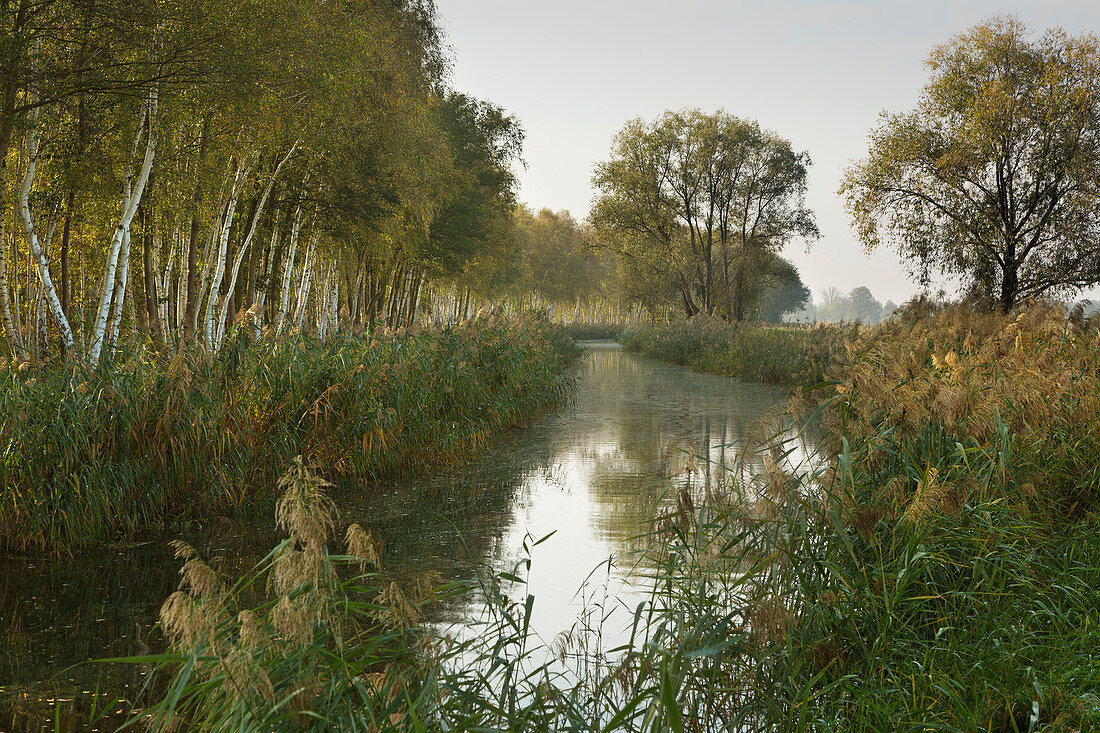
592, 473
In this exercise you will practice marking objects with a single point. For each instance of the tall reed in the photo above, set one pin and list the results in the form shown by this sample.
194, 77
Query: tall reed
106, 454
928, 572
787, 355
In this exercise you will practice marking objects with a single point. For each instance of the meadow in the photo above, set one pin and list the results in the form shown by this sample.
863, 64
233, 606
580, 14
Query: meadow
106, 454
937, 568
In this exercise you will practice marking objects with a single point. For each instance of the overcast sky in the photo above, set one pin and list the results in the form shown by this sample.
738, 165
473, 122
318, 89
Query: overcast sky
818, 73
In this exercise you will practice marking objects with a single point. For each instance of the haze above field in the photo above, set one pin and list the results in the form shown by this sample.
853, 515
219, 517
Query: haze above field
819, 74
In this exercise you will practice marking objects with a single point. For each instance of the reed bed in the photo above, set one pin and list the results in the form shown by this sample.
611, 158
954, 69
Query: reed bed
103, 455
930, 571
786, 355
594, 331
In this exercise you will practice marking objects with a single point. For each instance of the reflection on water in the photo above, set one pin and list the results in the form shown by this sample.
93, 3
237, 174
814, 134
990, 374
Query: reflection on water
593, 473
622, 448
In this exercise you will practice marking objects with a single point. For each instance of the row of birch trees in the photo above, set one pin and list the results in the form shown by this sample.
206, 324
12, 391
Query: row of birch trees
171, 171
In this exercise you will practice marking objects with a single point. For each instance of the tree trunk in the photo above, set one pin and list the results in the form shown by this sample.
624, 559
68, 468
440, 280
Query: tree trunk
190, 313
15, 343
690, 309
1009, 287
48, 289
253, 226
151, 295
288, 269
122, 280
219, 251
132, 198
307, 277
66, 234
262, 280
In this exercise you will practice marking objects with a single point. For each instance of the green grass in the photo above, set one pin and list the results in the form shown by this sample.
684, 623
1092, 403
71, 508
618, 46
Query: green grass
787, 355
780, 613
92, 456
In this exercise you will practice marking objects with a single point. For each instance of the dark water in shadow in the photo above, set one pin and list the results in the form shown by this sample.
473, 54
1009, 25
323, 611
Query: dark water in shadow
593, 472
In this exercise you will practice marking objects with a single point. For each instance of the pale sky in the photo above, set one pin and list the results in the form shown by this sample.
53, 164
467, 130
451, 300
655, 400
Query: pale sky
818, 73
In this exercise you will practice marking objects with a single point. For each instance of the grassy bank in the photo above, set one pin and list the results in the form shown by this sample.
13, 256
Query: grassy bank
91, 456
594, 331
936, 568
788, 355
949, 573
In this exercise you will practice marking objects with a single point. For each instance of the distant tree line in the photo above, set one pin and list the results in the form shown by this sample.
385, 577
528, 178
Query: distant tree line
567, 266
834, 306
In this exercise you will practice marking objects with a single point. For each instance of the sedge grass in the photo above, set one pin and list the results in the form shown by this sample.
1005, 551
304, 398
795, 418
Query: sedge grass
930, 572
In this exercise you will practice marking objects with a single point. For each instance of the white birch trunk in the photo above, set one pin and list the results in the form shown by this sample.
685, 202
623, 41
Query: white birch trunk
329, 298
307, 278
131, 199
164, 286
321, 307
219, 257
214, 240
334, 303
288, 269
12, 334
265, 279
238, 258
219, 270
120, 291
42, 265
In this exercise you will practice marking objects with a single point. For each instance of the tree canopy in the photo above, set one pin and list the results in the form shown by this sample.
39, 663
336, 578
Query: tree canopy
992, 177
167, 167
694, 203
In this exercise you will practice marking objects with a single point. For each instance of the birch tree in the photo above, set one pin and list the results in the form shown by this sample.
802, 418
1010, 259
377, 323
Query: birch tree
131, 198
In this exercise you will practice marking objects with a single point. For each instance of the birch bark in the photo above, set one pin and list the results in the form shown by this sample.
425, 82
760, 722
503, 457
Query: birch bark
42, 265
119, 297
131, 198
288, 268
223, 302
219, 259
264, 281
14, 342
307, 277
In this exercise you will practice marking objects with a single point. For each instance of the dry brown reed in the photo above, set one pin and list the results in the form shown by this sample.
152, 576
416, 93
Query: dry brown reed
979, 380
292, 656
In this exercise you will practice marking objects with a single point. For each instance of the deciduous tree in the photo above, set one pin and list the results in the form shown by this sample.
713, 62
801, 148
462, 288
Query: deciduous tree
993, 176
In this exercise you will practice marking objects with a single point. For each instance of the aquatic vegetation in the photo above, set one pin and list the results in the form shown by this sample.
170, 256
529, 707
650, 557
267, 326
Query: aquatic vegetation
789, 355
328, 647
92, 455
929, 572
981, 407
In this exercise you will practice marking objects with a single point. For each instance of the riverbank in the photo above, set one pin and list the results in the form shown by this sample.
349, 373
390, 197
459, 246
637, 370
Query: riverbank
110, 454
794, 356
935, 565
940, 569
957, 520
